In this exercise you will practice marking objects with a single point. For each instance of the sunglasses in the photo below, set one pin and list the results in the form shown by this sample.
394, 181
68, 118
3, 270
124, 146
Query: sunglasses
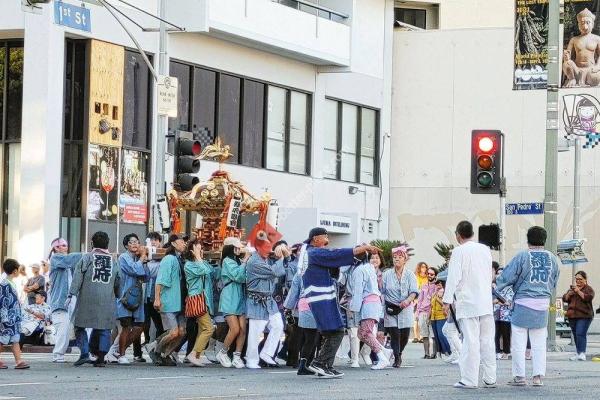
133, 241
430, 274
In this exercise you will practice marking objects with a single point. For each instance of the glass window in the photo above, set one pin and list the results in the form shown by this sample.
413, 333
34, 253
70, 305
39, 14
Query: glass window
253, 123
136, 126
2, 77
13, 197
368, 126
349, 129
298, 132
203, 106
414, 17
228, 127
182, 73
276, 119
330, 136
15, 93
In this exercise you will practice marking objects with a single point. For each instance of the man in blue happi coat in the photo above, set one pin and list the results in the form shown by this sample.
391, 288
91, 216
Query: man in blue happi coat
320, 290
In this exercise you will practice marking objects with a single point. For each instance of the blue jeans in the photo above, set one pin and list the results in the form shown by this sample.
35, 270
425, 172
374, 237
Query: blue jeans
99, 341
440, 338
579, 327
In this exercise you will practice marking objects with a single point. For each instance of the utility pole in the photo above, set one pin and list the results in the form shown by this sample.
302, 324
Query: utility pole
162, 123
502, 255
576, 198
551, 181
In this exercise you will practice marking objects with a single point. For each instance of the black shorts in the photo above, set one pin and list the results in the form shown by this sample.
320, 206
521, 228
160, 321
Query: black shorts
127, 322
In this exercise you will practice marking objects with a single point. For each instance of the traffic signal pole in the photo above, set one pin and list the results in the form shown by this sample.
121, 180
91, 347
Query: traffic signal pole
502, 193
551, 170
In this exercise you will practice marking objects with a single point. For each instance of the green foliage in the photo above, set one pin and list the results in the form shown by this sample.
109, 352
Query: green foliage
386, 246
445, 251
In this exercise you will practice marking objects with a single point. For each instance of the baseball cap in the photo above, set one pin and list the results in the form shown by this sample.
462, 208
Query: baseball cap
315, 232
233, 241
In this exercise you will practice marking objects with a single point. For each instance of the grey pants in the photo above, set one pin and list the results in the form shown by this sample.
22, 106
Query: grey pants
331, 341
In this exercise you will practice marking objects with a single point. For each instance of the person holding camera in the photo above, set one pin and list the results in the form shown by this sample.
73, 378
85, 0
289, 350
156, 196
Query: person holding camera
232, 302
580, 313
399, 291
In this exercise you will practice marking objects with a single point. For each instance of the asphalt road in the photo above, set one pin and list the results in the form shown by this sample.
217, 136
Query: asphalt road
418, 379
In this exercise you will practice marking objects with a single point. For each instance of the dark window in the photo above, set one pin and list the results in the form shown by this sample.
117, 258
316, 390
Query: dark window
203, 106
252, 123
411, 16
351, 137
3, 60
228, 125
136, 99
182, 73
14, 104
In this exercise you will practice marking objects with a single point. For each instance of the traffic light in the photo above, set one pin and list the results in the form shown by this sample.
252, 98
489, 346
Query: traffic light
186, 150
486, 161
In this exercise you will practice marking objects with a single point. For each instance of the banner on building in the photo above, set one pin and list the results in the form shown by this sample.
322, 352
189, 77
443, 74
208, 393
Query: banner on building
581, 44
103, 182
133, 198
531, 45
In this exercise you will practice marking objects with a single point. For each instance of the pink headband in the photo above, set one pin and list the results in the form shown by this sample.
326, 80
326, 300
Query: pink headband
400, 249
59, 242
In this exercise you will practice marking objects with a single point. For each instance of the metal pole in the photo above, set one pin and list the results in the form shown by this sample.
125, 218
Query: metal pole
576, 197
551, 181
502, 255
162, 123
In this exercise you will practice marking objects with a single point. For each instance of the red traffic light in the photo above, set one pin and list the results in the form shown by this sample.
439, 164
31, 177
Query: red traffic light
485, 144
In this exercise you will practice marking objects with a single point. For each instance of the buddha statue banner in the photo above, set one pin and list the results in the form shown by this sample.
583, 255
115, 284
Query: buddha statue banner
531, 44
581, 44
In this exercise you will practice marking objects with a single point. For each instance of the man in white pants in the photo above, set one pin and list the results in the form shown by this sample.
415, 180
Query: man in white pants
261, 309
469, 287
533, 275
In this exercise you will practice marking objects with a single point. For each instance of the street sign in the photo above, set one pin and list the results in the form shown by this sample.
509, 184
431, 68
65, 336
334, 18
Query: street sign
75, 17
524, 208
571, 251
167, 96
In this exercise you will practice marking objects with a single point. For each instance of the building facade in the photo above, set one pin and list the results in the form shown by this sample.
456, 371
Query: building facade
301, 91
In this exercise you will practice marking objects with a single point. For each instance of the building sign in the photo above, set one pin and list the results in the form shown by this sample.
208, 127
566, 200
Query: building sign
524, 208
531, 44
234, 213
133, 197
580, 44
75, 17
167, 89
335, 223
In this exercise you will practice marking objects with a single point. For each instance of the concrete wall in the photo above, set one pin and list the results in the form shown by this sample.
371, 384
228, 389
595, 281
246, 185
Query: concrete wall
437, 101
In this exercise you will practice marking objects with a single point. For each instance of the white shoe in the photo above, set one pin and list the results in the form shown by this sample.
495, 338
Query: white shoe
194, 359
237, 362
382, 361
581, 357
111, 358
224, 359
58, 358
454, 362
354, 364
123, 360
92, 357
574, 358
252, 366
365, 354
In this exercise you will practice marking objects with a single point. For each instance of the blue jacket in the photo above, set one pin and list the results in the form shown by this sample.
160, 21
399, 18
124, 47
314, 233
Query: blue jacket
132, 270
61, 272
198, 276
260, 283
305, 318
233, 277
365, 284
320, 288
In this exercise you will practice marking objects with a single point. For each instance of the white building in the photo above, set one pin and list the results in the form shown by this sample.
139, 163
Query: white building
288, 84
448, 82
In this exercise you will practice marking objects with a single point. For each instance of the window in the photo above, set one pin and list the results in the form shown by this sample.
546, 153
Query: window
11, 102
350, 142
411, 16
265, 126
137, 99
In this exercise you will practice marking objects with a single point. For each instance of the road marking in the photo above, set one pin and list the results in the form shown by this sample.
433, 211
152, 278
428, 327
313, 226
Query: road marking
226, 396
164, 377
22, 384
11, 398
282, 372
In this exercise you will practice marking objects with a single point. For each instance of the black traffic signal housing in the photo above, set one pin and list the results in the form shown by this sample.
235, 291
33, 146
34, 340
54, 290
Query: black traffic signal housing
186, 152
490, 236
486, 161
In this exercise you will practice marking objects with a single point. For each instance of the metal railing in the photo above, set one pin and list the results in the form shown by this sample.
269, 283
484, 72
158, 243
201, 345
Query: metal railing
315, 9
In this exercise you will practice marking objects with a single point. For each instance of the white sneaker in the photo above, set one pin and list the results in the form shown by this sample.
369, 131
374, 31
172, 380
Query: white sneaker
194, 360
92, 357
581, 357
454, 362
237, 362
252, 366
224, 359
365, 354
354, 364
123, 360
111, 358
382, 361
58, 358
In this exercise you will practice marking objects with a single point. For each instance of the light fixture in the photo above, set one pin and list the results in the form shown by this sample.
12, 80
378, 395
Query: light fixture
352, 189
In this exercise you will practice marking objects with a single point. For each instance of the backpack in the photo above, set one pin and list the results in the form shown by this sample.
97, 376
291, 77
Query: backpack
132, 298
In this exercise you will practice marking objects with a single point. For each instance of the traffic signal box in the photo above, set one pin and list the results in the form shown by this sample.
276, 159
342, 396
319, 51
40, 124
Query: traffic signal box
186, 151
486, 161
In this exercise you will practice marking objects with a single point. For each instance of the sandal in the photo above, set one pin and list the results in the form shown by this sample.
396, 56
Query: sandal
22, 365
3, 366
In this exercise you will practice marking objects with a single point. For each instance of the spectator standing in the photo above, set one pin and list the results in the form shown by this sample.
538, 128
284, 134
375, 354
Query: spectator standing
580, 313
150, 313
421, 275
533, 274
502, 314
438, 319
35, 284
424, 311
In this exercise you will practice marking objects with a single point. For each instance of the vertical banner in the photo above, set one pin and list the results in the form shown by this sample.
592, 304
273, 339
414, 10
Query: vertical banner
103, 183
133, 197
531, 45
581, 44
